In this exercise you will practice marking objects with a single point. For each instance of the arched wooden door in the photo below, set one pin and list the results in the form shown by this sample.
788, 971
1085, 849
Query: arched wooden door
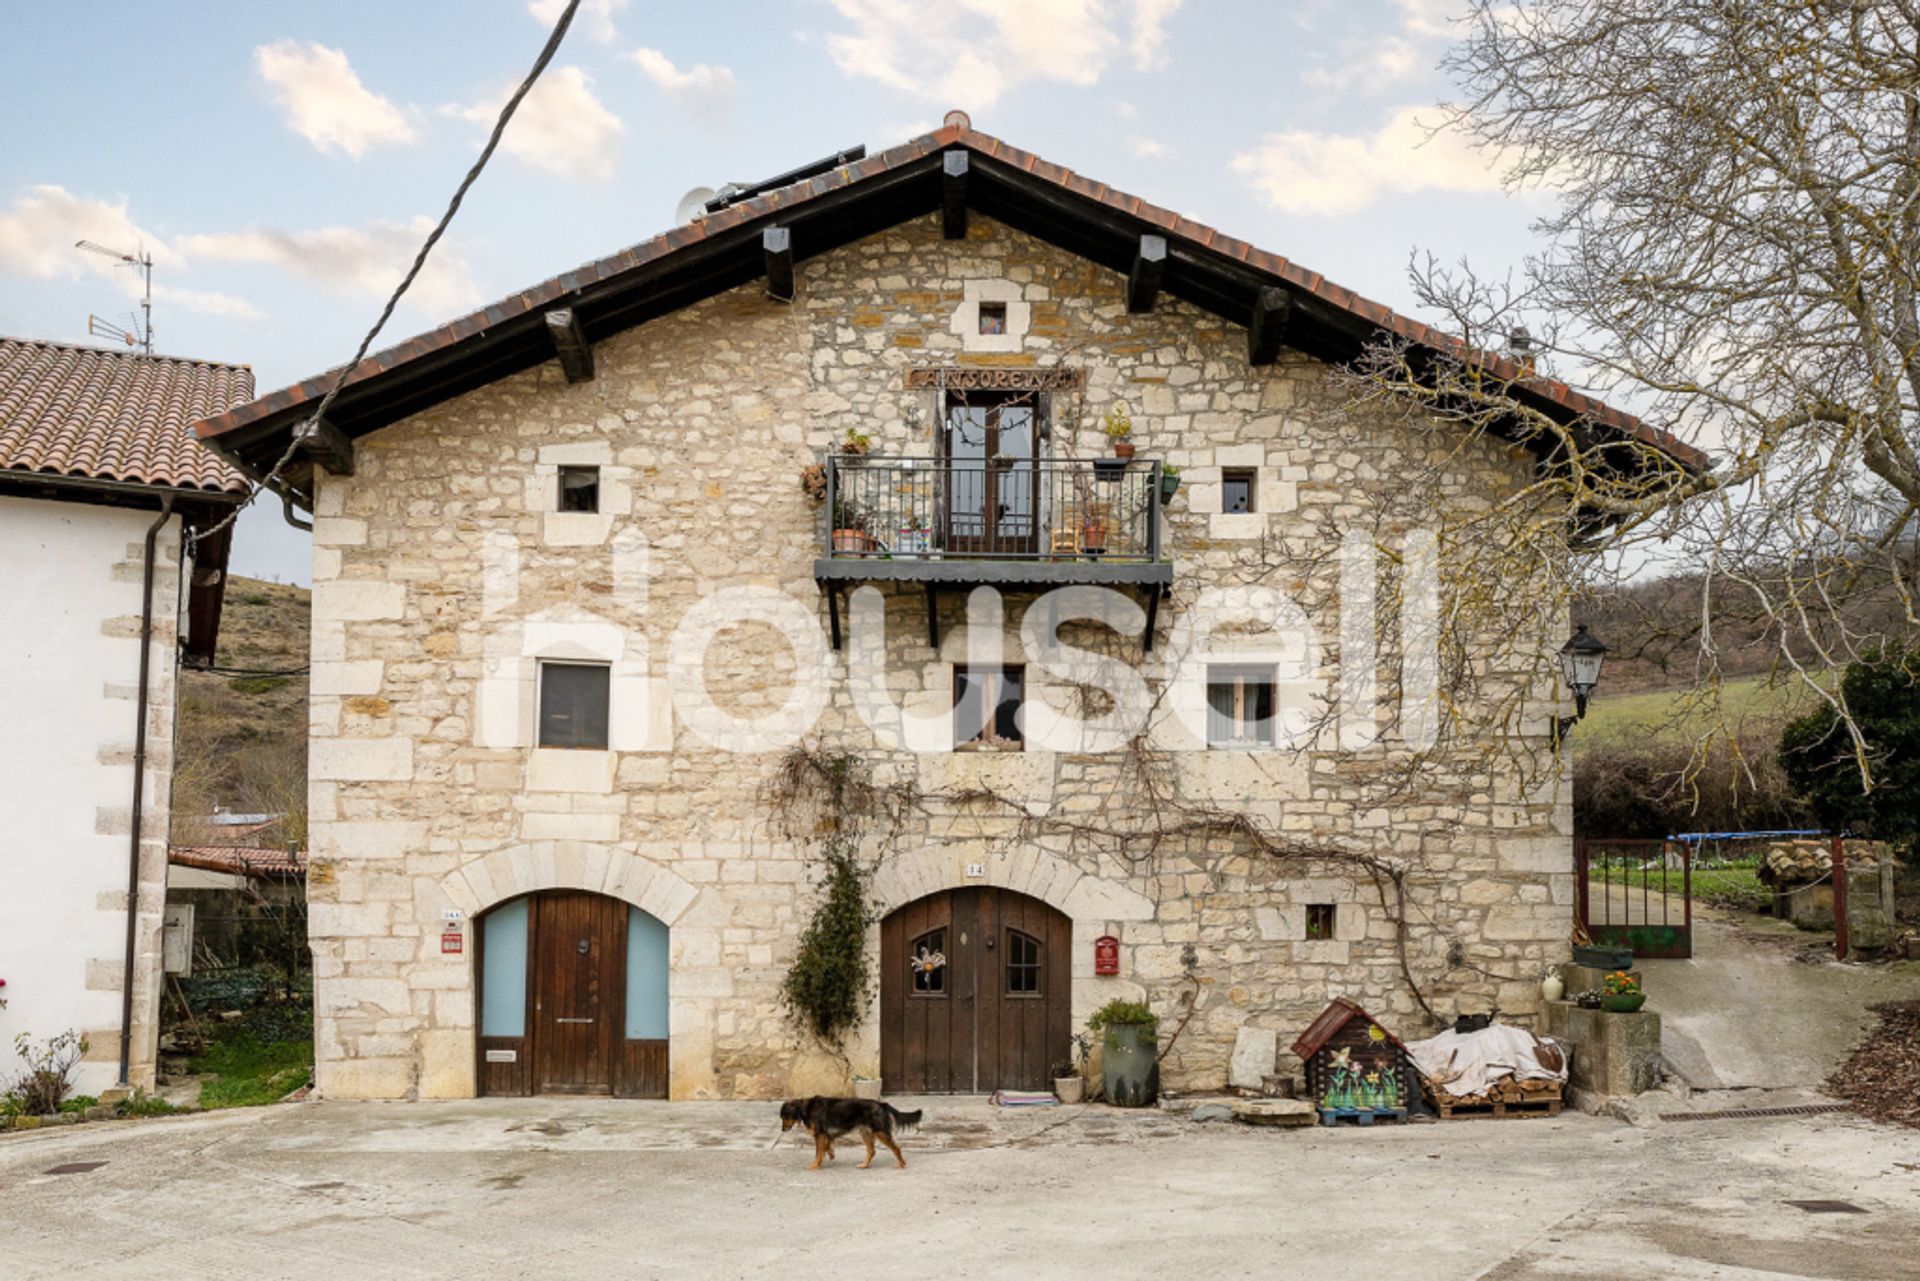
975, 993
573, 997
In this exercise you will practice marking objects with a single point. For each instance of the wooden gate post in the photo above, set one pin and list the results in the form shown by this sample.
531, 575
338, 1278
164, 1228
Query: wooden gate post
1839, 897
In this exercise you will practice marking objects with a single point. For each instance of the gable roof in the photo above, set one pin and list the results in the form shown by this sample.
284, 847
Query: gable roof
723, 250
88, 413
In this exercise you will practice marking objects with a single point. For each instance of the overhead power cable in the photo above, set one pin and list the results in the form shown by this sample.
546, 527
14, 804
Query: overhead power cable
419, 260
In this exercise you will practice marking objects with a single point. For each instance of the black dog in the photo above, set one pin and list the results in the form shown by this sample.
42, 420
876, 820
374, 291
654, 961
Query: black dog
828, 1119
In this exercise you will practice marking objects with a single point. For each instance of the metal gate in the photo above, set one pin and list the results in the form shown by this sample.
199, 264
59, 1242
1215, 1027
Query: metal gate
1636, 894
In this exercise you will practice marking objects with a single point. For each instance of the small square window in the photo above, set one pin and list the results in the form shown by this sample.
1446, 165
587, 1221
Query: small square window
573, 705
993, 318
1239, 706
579, 489
1319, 922
986, 707
1237, 488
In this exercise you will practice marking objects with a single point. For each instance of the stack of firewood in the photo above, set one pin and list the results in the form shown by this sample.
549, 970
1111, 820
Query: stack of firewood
1505, 1090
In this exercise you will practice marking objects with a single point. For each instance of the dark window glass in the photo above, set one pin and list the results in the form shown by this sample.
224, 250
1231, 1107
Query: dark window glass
927, 956
573, 705
1319, 920
1023, 964
986, 706
1239, 706
579, 489
993, 318
1236, 491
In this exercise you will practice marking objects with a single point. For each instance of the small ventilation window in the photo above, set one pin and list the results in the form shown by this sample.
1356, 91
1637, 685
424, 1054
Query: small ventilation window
927, 958
1319, 922
993, 318
579, 489
1023, 964
1237, 488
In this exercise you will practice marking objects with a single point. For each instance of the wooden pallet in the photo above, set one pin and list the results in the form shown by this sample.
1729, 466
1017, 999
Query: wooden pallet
1361, 1116
1545, 1106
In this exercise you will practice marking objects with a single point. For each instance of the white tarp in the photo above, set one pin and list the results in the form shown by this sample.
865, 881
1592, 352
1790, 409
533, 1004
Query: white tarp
1469, 1063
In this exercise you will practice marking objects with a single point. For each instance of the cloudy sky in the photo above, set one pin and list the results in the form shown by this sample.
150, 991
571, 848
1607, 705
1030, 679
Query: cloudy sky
281, 161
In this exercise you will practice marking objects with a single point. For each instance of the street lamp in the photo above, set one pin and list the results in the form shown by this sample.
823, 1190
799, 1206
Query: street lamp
1580, 660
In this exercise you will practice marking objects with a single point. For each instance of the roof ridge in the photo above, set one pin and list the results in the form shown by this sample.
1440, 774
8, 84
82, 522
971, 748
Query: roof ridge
93, 350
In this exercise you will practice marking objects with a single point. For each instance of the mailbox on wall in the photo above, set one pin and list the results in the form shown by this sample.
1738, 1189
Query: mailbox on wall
1106, 955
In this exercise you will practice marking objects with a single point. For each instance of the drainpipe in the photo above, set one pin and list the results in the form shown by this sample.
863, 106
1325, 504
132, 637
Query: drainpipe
139, 784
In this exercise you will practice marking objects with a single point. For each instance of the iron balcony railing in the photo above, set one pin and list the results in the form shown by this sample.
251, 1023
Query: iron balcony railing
994, 509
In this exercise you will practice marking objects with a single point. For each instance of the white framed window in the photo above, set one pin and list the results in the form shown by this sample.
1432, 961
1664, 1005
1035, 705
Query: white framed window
1240, 705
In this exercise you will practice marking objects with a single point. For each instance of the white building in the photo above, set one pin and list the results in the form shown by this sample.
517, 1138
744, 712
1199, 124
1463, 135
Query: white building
100, 479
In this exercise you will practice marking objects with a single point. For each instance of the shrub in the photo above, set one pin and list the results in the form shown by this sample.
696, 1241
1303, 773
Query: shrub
41, 1089
826, 989
1883, 692
1118, 1013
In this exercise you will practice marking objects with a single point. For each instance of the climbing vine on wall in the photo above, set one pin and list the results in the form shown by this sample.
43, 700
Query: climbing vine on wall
827, 988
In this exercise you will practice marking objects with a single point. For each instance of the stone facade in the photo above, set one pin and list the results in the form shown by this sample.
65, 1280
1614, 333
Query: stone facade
443, 574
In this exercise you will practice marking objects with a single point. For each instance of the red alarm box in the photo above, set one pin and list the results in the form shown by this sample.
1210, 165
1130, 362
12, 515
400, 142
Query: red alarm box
1106, 955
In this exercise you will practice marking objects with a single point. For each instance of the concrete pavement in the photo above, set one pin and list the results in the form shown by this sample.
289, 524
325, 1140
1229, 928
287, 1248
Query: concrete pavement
599, 1188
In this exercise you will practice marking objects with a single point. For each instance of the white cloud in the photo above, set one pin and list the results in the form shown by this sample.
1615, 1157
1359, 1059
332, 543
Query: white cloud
1322, 173
699, 84
363, 261
1380, 63
1149, 32
204, 303
1146, 148
1431, 17
322, 99
595, 16
560, 126
967, 53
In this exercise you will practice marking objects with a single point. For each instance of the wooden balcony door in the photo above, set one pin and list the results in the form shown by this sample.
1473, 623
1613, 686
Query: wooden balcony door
993, 490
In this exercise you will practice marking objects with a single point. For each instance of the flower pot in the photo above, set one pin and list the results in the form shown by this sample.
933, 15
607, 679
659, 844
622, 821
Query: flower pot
1169, 485
1624, 1003
1093, 539
1069, 1089
912, 542
856, 542
866, 1087
1129, 1070
1123, 449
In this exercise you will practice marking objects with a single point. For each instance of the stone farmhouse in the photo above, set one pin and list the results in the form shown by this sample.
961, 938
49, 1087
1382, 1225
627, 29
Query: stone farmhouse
100, 479
612, 601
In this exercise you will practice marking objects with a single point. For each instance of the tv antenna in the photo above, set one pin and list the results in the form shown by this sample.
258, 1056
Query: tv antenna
142, 337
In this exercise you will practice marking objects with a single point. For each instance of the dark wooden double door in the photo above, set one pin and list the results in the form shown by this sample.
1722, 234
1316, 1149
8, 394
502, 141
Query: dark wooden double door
575, 1037
975, 993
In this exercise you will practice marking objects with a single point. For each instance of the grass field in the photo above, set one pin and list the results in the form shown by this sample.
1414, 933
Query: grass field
1732, 885
1755, 702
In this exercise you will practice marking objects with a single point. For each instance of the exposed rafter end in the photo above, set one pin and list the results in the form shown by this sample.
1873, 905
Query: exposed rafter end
777, 244
1143, 282
326, 445
953, 197
1267, 328
571, 345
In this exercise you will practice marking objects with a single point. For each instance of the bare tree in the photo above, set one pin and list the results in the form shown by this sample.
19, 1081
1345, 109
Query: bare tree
1733, 256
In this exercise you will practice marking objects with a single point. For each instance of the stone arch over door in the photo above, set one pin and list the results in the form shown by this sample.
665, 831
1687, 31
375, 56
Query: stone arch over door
1033, 872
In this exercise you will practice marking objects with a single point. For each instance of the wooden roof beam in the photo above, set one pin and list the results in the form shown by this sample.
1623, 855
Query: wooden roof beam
326, 445
570, 344
1143, 282
1267, 327
776, 243
953, 194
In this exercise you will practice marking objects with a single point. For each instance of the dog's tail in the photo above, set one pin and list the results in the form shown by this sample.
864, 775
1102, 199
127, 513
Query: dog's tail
905, 1120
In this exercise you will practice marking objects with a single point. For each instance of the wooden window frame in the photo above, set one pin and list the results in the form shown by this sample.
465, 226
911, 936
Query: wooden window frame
988, 739
540, 708
1037, 967
1322, 922
1243, 679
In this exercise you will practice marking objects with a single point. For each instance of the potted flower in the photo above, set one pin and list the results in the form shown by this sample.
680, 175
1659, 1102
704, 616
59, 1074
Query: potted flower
1621, 994
1169, 482
1117, 427
855, 447
1067, 1085
1129, 1066
850, 529
1093, 530
866, 1087
813, 482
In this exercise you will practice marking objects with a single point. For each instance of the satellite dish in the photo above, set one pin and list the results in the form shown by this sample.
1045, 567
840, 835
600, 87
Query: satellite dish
692, 205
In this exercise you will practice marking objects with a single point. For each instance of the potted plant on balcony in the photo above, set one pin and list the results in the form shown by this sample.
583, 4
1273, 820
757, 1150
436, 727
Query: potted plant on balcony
813, 482
1169, 482
1117, 427
850, 534
913, 538
1093, 530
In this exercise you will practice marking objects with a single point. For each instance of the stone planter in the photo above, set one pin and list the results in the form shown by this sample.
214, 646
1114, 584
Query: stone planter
1069, 1089
866, 1087
1129, 1071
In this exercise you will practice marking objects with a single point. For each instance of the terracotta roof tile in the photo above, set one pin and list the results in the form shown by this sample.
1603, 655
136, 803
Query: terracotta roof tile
108, 415
240, 860
1196, 233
